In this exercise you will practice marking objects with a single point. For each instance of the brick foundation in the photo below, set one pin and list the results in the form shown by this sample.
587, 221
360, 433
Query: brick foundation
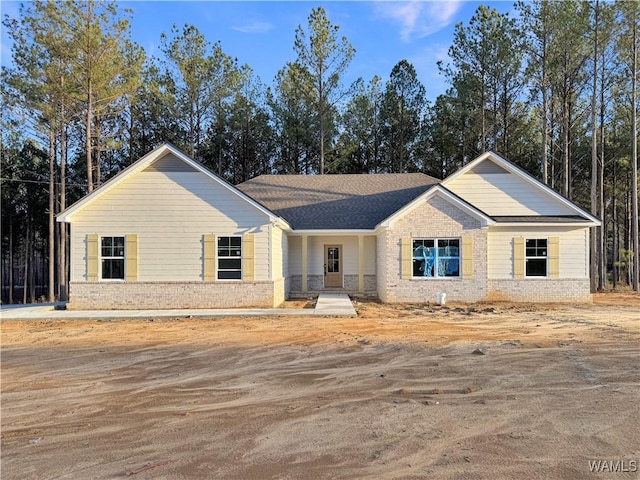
543, 290
316, 283
170, 295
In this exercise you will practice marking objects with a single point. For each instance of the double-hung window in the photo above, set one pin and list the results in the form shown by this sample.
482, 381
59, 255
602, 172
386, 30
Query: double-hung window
436, 257
112, 258
536, 257
229, 258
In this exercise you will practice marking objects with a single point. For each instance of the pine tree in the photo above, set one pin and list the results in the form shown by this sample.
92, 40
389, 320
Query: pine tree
325, 57
403, 109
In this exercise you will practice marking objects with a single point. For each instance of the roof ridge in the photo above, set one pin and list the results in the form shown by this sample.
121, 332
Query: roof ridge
317, 177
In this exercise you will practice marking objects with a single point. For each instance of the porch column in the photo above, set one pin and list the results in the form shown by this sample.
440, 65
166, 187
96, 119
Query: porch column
360, 263
305, 264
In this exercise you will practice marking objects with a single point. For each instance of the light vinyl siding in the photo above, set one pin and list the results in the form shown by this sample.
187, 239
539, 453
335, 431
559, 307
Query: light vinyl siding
131, 257
370, 255
506, 194
170, 212
295, 255
573, 249
278, 248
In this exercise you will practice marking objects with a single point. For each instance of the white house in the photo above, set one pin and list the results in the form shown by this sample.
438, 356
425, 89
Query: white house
168, 233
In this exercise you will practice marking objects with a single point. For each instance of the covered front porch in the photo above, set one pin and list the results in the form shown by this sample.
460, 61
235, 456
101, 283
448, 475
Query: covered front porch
344, 263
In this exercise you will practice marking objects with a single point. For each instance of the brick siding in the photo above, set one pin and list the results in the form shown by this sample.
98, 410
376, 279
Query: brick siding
170, 295
316, 283
436, 218
540, 290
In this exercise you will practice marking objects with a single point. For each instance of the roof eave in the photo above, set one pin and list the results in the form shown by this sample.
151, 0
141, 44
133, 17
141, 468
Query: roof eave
282, 224
333, 231
547, 224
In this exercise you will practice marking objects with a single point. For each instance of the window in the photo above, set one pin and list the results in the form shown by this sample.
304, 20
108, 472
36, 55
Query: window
436, 257
112, 256
229, 258
536, 257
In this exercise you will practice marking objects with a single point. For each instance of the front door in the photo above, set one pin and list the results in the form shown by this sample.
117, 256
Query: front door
333, 265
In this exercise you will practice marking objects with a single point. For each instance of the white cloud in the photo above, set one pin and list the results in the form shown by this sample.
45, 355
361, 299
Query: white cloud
418, 19
253, 27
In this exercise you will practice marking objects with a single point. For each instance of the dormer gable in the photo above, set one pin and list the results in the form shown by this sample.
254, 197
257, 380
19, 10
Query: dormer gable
500, 189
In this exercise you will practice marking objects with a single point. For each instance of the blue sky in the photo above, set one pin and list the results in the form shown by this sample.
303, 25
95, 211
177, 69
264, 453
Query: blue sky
261, 33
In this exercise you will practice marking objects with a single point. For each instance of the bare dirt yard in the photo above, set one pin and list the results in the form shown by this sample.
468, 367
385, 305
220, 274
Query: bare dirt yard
487, 391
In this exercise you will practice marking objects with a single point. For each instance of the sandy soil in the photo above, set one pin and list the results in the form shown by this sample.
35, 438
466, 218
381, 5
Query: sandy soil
487, 391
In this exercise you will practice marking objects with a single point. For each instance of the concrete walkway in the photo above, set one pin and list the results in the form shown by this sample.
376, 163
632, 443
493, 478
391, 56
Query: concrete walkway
328, 304
335, 304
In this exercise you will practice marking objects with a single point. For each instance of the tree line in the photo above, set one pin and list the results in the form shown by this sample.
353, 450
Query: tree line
554, 89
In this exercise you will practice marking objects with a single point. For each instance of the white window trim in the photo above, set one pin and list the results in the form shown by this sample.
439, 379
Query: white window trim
123, 257
435, 243
527, 257
218, 258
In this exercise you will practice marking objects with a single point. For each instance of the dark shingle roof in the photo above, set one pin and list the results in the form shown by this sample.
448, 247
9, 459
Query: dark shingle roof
328, 202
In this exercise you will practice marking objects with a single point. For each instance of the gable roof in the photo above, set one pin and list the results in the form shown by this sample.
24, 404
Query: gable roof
491, 162
156, 160
447, 195
345, 202
337, 202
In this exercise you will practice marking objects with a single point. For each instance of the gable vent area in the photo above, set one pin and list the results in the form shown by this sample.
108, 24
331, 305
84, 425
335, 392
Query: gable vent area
169, 163
488, 167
